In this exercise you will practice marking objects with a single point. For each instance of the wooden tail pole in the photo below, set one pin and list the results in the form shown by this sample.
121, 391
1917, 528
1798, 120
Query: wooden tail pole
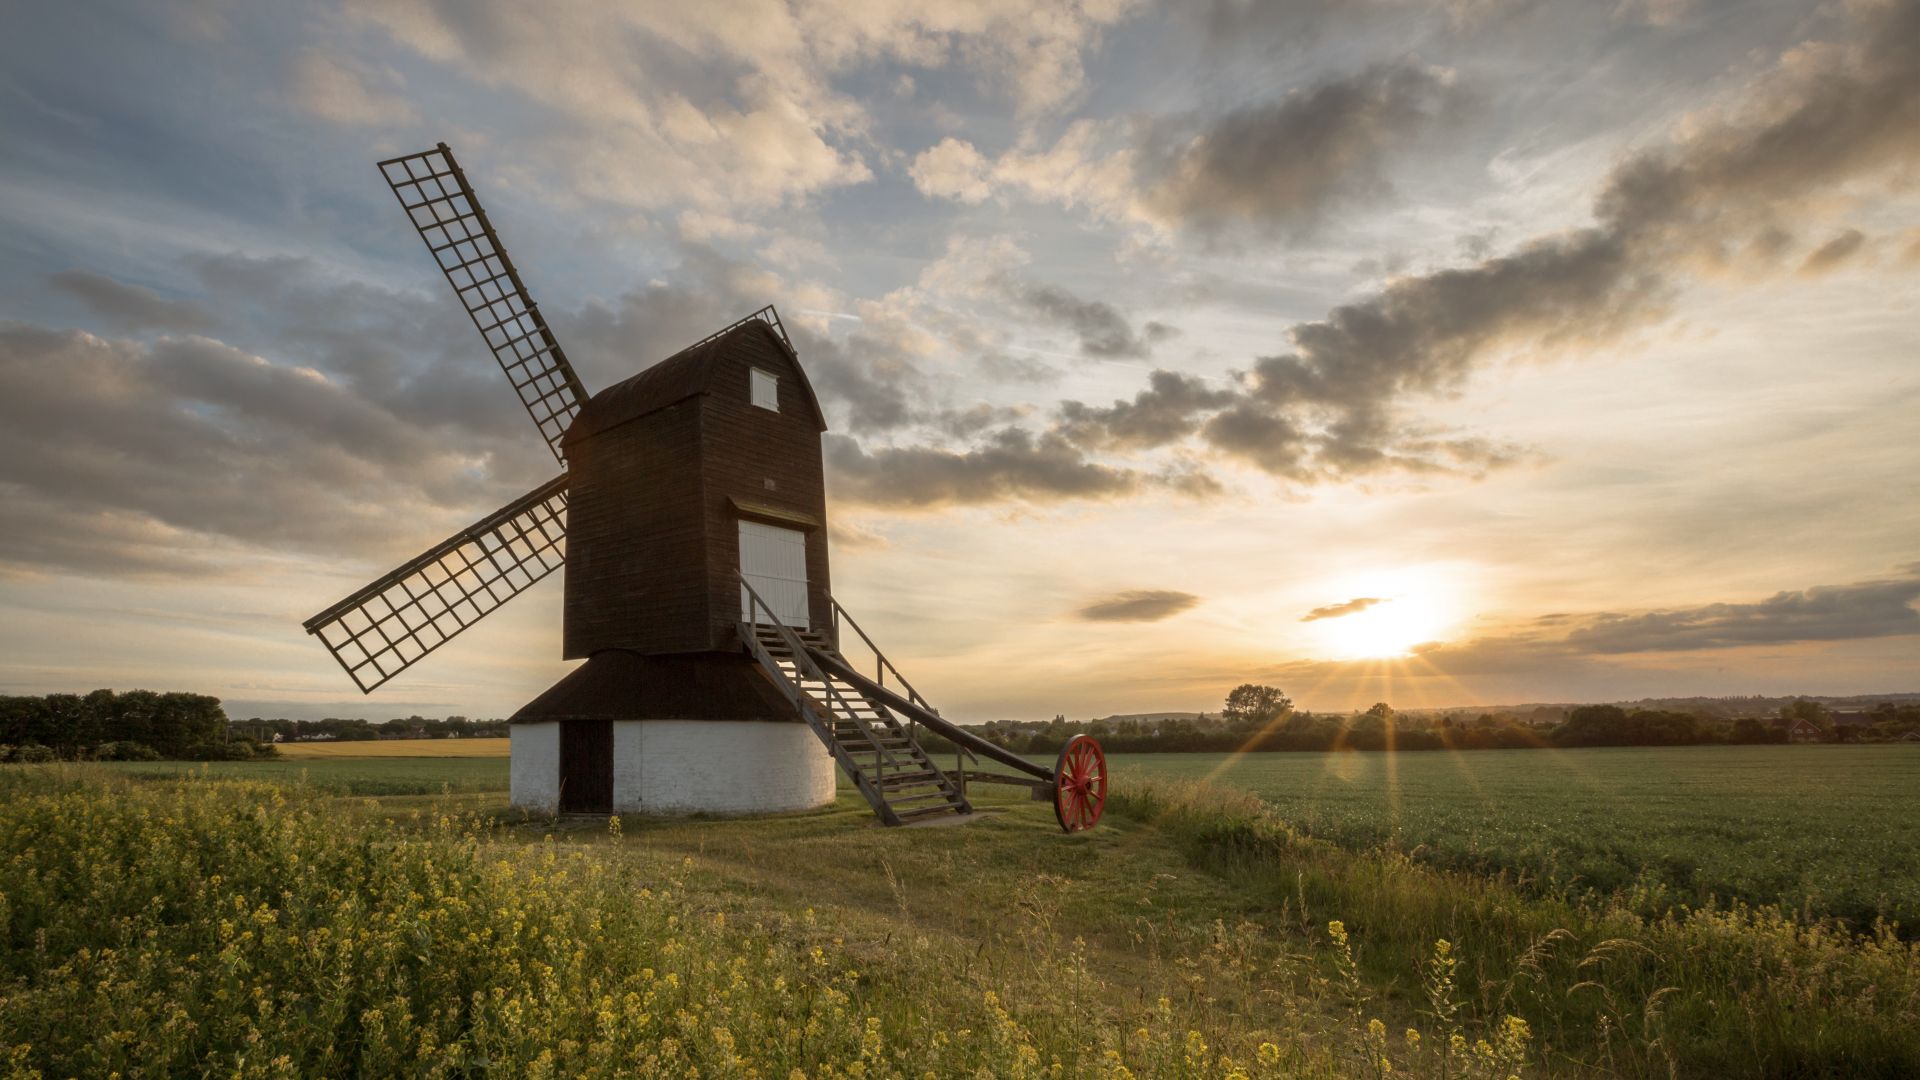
1078, 778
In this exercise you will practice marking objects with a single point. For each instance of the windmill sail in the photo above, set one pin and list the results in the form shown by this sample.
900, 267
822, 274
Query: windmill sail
384, 628
443, 209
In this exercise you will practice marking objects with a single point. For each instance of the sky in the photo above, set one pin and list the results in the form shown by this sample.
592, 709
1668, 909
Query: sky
1439, 353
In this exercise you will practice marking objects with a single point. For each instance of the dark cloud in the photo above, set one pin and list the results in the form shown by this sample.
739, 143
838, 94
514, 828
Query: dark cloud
1333, 407
1010, 465
871, 379
865, 380
1165, 412
1103, 331
1832, 613
160, 454
413, 353
1282, 165
1139, 605
1834, 252
1329, 408
1349, 607
131, 308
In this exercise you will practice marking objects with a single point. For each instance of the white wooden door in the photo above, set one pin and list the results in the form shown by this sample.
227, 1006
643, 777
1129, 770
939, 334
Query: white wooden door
774, 561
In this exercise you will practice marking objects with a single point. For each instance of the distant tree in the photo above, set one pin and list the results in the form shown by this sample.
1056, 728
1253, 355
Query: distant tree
1251, 704
1594, 725
1810, 710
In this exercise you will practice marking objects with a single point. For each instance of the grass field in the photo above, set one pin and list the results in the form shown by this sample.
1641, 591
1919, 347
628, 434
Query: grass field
341, 775
388, 748
195, 924
1824, 830
1828, 830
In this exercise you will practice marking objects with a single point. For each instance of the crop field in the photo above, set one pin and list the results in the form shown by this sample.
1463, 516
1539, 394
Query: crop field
249, 919
391, 748
1825, 830
341, 775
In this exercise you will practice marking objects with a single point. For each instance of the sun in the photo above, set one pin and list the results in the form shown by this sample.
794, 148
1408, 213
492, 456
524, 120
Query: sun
1391, 613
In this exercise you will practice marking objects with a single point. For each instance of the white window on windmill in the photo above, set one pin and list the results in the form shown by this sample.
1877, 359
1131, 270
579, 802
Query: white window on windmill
766, 389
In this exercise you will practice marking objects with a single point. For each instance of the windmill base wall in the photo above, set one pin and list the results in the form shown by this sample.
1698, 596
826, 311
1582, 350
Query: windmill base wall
535, 765
675, 767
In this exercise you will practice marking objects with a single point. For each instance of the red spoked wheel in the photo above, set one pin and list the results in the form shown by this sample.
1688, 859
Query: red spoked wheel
1080, 784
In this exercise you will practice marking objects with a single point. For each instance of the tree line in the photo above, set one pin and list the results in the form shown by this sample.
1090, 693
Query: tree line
1258, 718
335, 729
135, 725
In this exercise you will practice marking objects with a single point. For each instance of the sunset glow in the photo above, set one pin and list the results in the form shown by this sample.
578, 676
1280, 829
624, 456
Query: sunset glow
1373, 351
1392, 613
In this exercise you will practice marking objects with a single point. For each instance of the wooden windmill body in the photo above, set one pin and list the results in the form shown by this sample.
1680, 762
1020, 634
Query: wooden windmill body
686, 476
691, 521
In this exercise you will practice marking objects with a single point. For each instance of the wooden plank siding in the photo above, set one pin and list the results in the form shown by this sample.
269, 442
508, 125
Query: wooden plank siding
747, 446
659, 486
636, 547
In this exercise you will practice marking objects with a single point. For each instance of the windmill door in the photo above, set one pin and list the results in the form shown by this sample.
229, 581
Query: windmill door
774, 561
586, 766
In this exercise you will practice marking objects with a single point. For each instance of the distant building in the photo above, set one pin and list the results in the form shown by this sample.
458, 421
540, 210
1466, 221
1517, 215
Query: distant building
1805, 731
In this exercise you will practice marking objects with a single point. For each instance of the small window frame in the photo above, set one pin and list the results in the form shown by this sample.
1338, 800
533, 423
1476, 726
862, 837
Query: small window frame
763, 389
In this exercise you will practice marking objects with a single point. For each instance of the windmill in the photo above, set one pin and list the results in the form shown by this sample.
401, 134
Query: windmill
690, 514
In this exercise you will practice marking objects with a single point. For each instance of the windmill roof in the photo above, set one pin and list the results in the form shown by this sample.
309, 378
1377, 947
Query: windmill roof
616, 684
685, 374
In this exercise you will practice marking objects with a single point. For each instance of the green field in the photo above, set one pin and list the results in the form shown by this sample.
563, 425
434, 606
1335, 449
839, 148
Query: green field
342, 775
193, 920
1830, 830
1822, 830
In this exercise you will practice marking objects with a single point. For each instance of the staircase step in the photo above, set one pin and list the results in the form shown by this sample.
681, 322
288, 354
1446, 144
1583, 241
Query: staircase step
910, 780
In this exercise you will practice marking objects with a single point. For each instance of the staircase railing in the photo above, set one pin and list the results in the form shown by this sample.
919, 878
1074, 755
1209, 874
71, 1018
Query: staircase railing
805, 665
881, 666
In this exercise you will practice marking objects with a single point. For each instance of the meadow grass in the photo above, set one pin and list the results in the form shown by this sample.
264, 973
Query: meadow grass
196, 926
392, 748
193, 925
343, 775
1708, 991
1827, 831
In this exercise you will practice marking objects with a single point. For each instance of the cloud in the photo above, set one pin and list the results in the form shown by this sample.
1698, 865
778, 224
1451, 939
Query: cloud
131, 308
160, 455
1282, 165
1330, 408
1349, 607
1010, 465
337, 91
952, 169
1831, 613
1591, 656
1139, 605
733, 107
1103, 331
867, 379
1276, 166
1161, 414
1834, 252
1334, 406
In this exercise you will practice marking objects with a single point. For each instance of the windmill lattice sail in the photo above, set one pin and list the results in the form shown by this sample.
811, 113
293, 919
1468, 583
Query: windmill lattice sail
390, 624
443, 209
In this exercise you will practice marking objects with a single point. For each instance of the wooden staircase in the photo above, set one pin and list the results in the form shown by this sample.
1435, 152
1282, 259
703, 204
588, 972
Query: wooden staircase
880, 755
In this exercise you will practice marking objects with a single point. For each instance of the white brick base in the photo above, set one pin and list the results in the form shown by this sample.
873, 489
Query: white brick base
536, 766
688, 767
